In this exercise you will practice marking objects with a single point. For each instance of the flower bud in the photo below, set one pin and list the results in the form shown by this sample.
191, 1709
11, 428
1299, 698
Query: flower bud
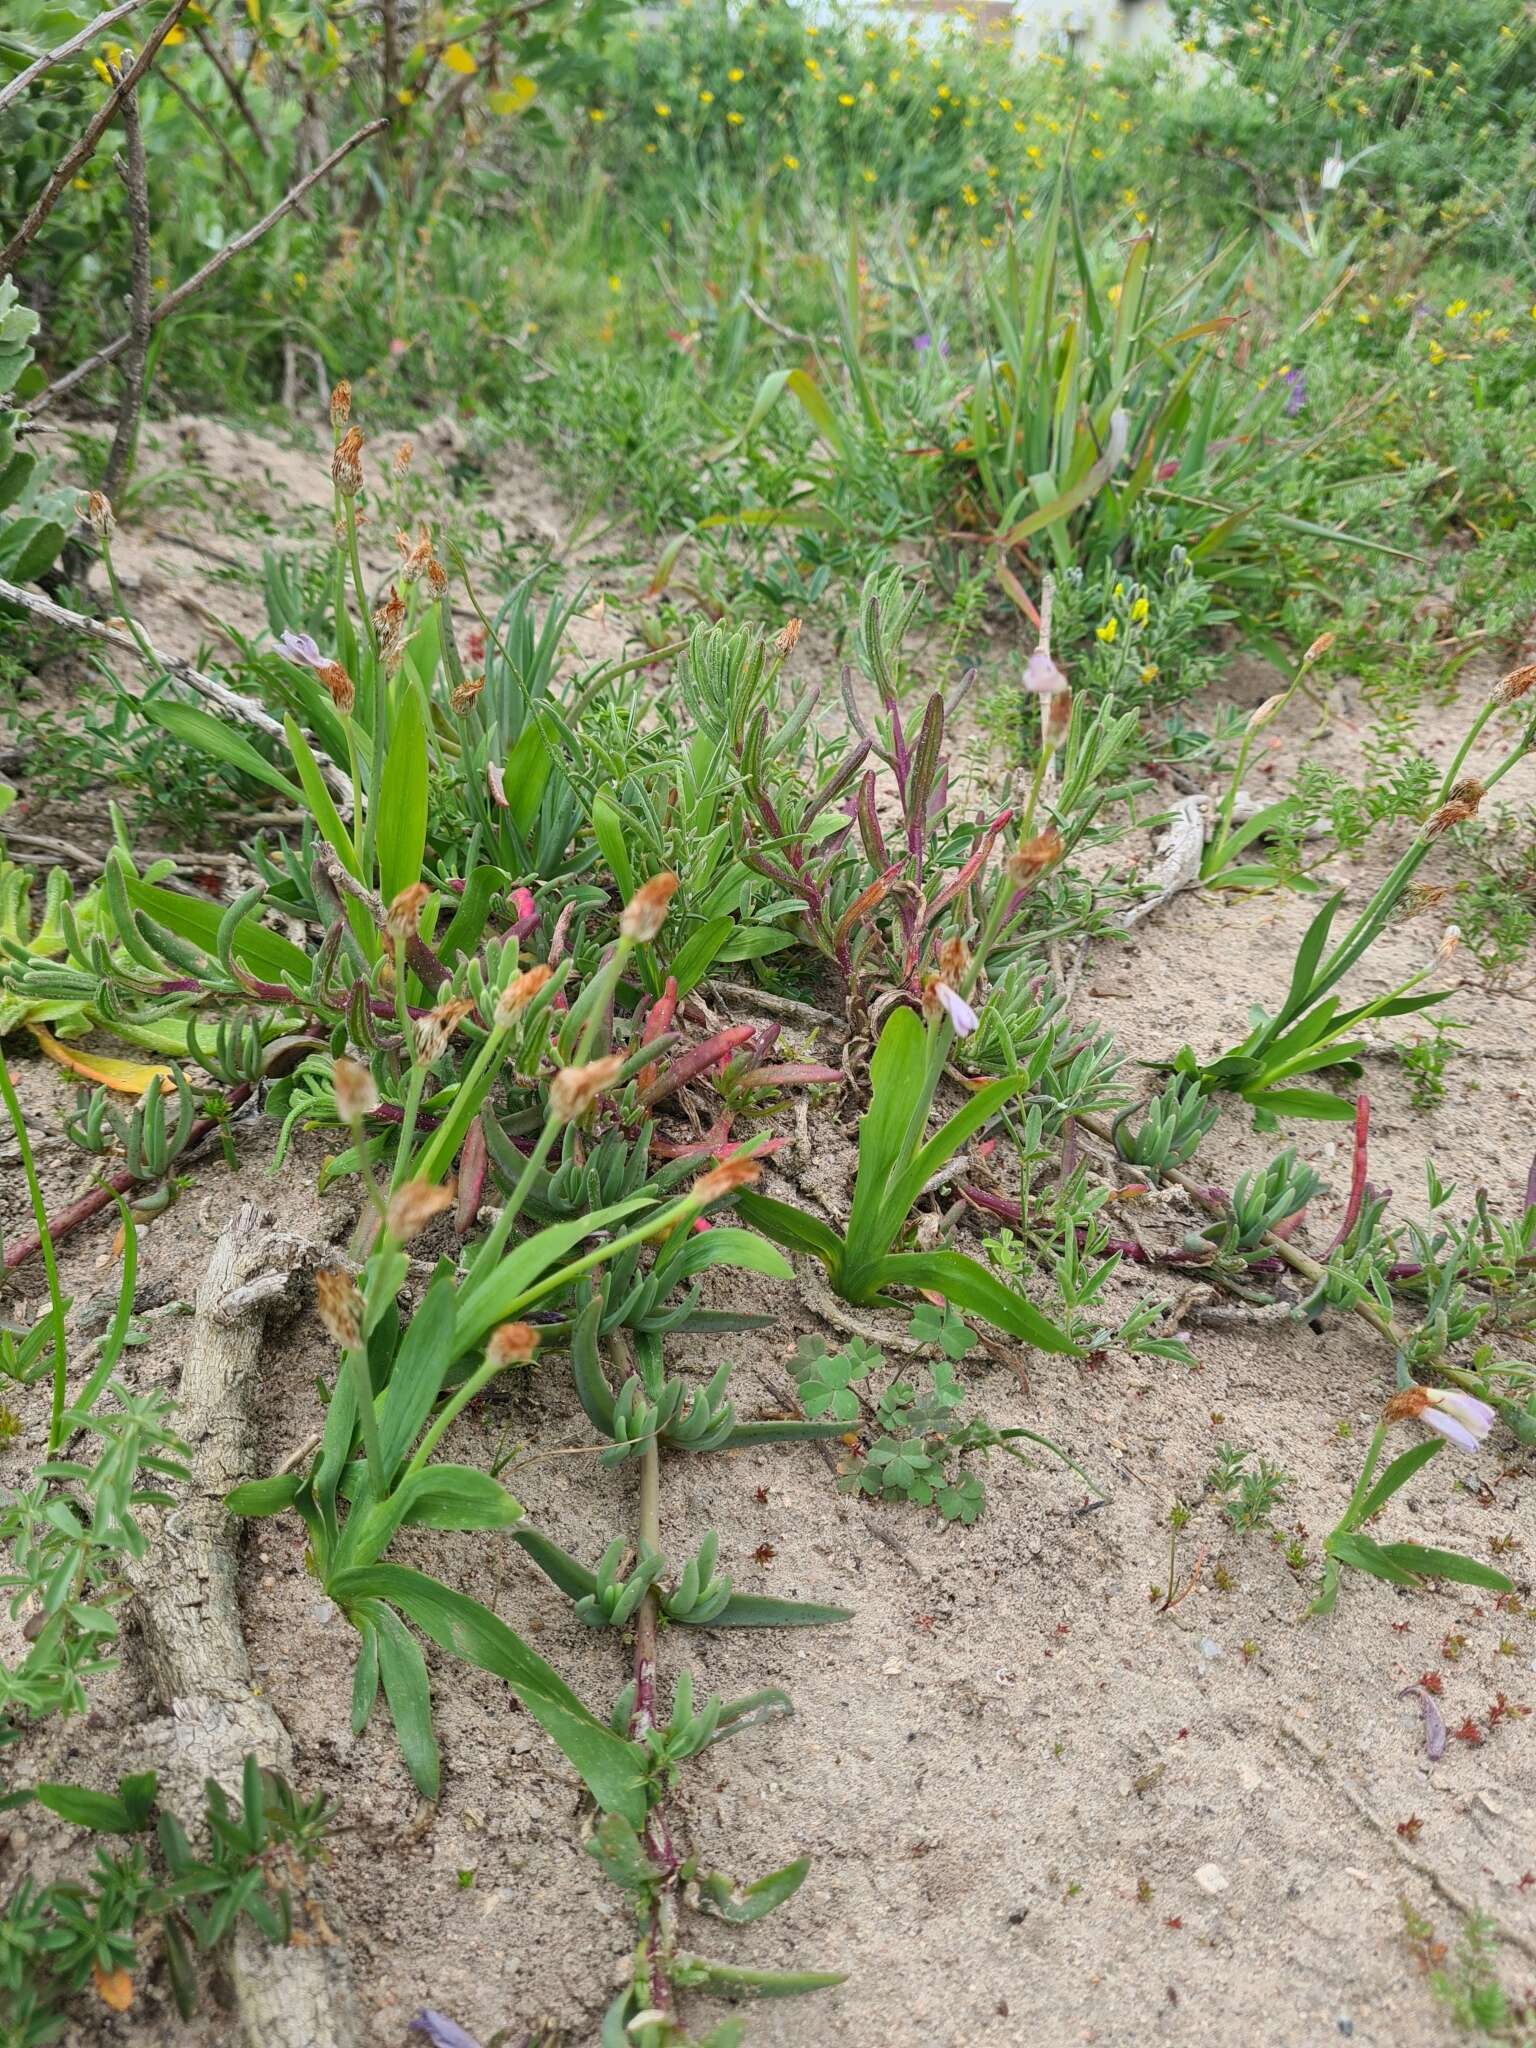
646, 911
784, 640
412, 1207
341, 404
353, 1087
574, 1089
339, 1306
1318, 649
1515, 685
1265, 712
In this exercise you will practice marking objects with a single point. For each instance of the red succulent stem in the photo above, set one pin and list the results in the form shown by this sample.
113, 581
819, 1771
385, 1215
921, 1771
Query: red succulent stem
1356, 1175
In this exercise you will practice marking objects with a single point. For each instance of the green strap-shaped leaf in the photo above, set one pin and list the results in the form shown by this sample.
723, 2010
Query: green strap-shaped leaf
612, 1768
409, 1697
975, 1291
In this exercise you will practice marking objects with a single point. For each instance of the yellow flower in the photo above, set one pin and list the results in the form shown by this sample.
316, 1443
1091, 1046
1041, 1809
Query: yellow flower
615, 283
596, 114
457, 58
1149, 672
517, 96
1033, 152
1436, 353
736, 75
846, 99
1455, 309
869, 179
663, 109
1139, 611
967, 195
735, 119
791, 163
1107, 631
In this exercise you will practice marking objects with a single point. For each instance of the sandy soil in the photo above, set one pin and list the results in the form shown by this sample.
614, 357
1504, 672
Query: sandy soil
1039, 1808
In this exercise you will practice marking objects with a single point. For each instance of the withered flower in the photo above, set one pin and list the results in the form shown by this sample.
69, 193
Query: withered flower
725, 1179
1457, 809
1516, 684
1033, 856
784, 640
353, 1087
97, 513
389, 624
402, 460
646, 911
414, 554
512, 1344
341, 404
339, 683
339, 1306
574, 1089
465, 693
954, 959
412, 1207
520, 992
404, 912
435, 1029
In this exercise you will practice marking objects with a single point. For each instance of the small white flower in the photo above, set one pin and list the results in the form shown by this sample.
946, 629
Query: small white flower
956, 1008
1331, 177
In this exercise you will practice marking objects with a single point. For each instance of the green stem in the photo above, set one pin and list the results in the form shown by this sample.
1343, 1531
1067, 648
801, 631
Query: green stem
50, 1264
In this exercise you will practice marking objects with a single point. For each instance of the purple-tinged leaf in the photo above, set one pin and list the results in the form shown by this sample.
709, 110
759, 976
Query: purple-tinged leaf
1434, 1727
441, 2031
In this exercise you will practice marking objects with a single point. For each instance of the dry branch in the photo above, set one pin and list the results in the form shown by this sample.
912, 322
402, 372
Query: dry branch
185, 1594
173, 300
85, 148
218, 694
65, 51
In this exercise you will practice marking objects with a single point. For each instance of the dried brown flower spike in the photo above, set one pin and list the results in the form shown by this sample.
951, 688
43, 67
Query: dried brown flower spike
1457, 809
412, 1207
1516, 684
97, 514
339, 1306
404, 912
347, 463
520, 992
1034, 856
646, 911
341, 404
512, 1344
725, 1179
465, 693
574, 1089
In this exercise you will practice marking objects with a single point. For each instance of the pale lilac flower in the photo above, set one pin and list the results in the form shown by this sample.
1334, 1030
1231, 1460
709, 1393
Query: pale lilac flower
956, 1008
1296, 395
441, 2031
1460, 1418
300, 648
1042, 675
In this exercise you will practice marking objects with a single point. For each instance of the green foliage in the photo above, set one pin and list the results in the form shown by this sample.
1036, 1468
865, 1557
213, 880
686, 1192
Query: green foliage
32, 518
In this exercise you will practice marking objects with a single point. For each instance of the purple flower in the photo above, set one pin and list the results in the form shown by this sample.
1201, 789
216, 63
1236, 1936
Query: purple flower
1296, 395
956, 1008
923, 342
1460, 1418
440, 2031
300, 648
1041, 674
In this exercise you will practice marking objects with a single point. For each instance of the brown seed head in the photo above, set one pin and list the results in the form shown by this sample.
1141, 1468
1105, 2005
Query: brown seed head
1265, 712
353, 1087
404, 912
954, 959
1032, 857
1423, 896
389, 623
414, 554
574, 1089
512, 1344
466, 692
347, 463
933, 1009
341, 404
646, 911
339, 683
402, 460
520, 992
1318, 649
1406, 1406
97, 514
437, 577
435, 1029
1457, 809
339, 1306
784, 640
724, 1180
1516, 684
412, 1207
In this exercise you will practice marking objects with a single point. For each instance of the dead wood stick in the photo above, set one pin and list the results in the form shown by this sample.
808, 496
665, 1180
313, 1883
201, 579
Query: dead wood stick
173, 300
135, 178
85, 148
64, 51
218, 694
186, 1599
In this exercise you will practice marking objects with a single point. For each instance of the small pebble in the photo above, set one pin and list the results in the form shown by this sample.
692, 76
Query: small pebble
1209, 1647
1211, 1878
